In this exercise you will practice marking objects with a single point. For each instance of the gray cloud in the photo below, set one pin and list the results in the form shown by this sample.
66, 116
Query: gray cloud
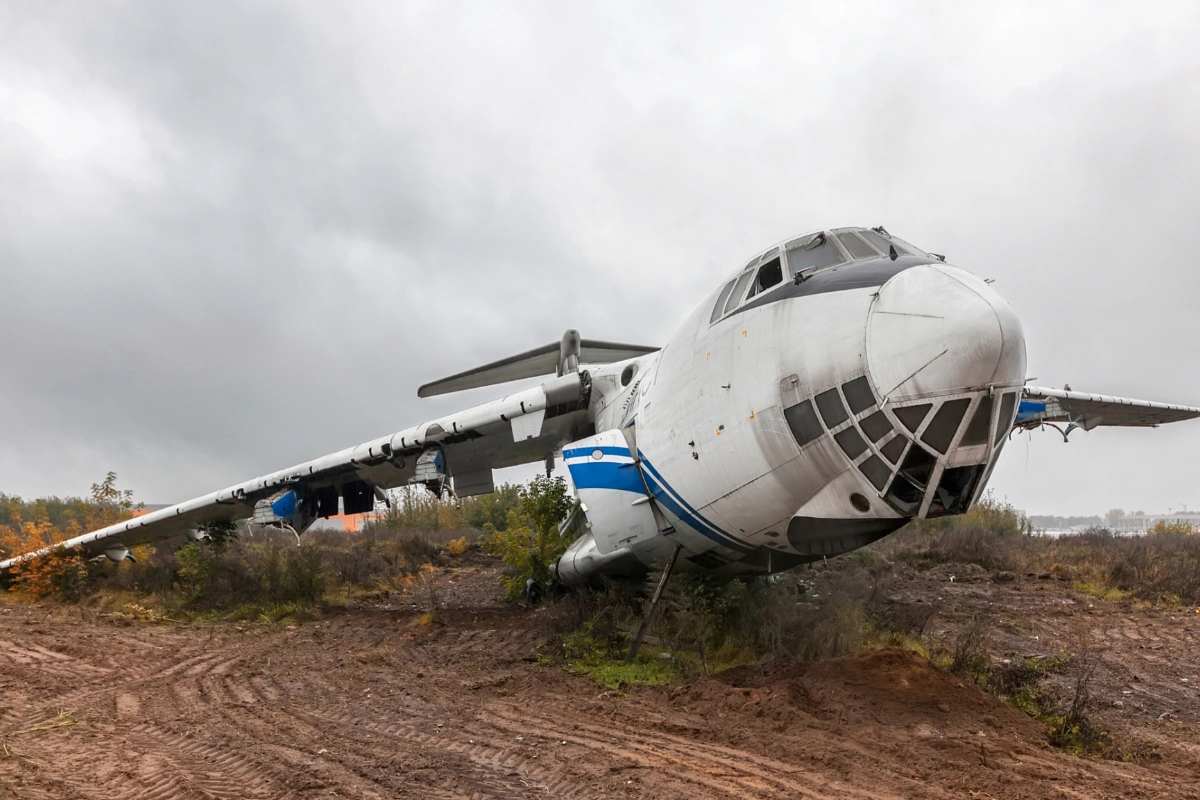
235, 236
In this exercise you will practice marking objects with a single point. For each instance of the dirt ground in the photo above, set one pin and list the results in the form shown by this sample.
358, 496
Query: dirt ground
366, 704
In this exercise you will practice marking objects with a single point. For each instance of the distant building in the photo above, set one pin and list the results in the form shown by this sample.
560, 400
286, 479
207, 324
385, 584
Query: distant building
350, 523
147, 509
1140, 523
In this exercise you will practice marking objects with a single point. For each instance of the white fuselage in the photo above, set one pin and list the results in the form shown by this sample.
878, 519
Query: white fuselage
766, 436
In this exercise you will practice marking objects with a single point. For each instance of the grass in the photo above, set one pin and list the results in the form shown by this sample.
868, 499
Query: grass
705, 625
583, 653
65, 719
267, 579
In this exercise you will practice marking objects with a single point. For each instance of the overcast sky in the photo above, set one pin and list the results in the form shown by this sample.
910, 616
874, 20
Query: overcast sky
238, 236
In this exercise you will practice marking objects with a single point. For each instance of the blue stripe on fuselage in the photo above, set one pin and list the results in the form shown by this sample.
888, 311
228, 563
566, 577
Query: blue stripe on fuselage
623, 477
682, 509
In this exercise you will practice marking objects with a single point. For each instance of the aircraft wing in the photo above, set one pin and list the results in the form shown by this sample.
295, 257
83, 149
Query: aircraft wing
1087, 411
462, 448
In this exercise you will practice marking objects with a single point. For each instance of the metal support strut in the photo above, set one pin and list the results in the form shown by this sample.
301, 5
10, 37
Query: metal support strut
662, 583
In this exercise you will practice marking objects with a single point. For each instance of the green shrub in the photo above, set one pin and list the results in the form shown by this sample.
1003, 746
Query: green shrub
530, 543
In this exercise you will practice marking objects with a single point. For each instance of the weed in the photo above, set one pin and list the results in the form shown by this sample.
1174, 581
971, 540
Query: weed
972, 659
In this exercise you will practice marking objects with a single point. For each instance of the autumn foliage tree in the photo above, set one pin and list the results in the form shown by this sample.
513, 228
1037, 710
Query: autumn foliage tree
28, 527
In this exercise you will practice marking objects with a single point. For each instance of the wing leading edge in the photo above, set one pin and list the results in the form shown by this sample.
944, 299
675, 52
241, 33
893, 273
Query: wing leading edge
524, 427
1087, 411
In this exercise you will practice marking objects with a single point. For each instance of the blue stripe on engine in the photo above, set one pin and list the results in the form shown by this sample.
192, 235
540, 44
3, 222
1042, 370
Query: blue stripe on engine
580, 452
606, 475
1028, 409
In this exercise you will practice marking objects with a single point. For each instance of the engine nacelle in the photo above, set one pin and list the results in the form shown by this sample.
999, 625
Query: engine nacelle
583, 562
610, 491
119, 553
613, 512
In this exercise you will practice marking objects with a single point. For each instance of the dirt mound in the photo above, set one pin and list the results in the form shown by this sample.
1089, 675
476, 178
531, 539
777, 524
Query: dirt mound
890, 686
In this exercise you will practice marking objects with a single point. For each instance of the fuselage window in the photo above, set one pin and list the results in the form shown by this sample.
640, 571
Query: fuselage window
719, 308
739, 289
832, 411
769, 274
909, 246
955, 490
856, 247
813, 252
803, 421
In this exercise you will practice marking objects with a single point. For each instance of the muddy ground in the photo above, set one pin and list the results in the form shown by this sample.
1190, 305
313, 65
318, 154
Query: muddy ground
366, 704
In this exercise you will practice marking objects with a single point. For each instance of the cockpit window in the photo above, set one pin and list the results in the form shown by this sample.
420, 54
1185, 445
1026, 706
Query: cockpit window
739, 289
884, 245
955, 490
769, 274
812, 252
719, 308
941, 430
856, 247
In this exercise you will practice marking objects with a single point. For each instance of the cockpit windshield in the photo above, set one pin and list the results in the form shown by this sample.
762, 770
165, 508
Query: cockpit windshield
882, 244
805, 256
828, 248
856, 247
812, 252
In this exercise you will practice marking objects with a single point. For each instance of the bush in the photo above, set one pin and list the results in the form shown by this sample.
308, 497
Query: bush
530, 544
1163, 566
704, 624
415, 509
991, 535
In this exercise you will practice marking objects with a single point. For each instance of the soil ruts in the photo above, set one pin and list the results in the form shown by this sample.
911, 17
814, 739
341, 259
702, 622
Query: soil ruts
367, 703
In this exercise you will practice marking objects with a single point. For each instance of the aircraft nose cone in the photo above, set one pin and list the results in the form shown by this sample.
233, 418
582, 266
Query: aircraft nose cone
936, 329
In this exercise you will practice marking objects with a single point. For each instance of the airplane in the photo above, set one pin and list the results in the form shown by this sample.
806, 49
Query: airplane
836, 386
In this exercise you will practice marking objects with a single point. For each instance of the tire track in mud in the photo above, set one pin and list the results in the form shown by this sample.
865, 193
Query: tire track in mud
95, 682
169, 765
266, 715
367, 704
687, 760
193, 765
493, 772
211, 684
